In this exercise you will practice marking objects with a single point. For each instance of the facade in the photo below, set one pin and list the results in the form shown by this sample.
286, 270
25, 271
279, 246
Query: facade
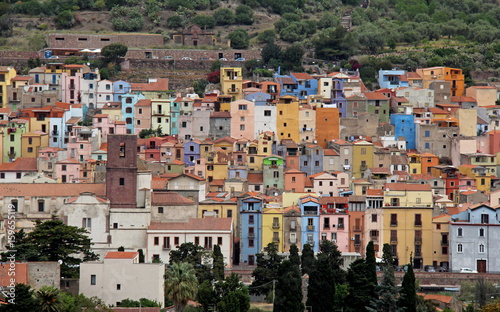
310, 210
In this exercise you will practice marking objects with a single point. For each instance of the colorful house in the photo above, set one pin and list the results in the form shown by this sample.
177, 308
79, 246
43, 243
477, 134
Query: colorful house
231, 81
362, 158
251, 227
273, 172
310, 210
272, 227
287, 120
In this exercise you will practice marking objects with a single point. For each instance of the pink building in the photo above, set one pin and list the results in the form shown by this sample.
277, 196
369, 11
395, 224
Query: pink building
70, 82
335, 227
80, 143
198, 169
68, 171
242, 119
107, 126
324, 183
142, 115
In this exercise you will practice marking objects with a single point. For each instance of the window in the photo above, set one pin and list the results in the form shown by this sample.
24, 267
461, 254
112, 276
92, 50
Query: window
242, 107
251, 243
160, 209
118, 286
438, 226
363, 151
394, 219
267, 113
156, 241
427, 134
427, 145
87, 223
418, 219
374, 217
18, 175
460, 232
460, 248
12, 138
41, 205
484, 218
250, 219
481, 248
122, 181
92, 279
176, 240
219, 241
242, 127
481, 232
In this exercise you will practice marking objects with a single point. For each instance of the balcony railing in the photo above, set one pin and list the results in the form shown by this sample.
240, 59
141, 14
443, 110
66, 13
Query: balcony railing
418, 223
357, 228
310, 227
418, 240
251, 235
394, 239
374, 238
11, 154
357, 242
166, 247
311, 243
276, 240
55, 132
235, 90
292, 228
326, 227
276, 225
418, 254
394, 223
444, 242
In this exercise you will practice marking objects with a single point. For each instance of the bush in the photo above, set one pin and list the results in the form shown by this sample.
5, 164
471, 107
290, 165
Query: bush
267, 36
224, 17
244, 15
175, 21
65, 19
204, 21
239, 39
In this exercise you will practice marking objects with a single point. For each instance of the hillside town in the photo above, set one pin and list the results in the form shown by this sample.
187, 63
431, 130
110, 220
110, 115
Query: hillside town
293, 159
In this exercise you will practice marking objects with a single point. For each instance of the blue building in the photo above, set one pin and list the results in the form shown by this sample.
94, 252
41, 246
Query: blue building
404, 126
175, 111
237, 172
310, 208
120, 88
391, 79
306, 84
251, 229
191, 152
338, 98
128, 109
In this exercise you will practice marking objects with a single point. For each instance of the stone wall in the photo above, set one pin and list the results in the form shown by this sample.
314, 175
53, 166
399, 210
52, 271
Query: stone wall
444, 278
196, 55
44, 274
75, 41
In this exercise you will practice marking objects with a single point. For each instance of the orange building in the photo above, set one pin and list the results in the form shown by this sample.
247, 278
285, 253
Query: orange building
356, 214
295, 180
428, 160
327, 125
452, 75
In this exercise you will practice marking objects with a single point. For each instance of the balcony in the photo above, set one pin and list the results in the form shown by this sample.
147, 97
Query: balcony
347, 167
276, 225
310, 227
11, 154
251, 235
293, 228
418, 240
231, 90
374, 238
394, 223
55, 132
208, 247
158, 113
72, 87
357, 228
418, 254
276, 240
394, 239
357, 242
66, 133
444, 242
326, 227
418, 224
166, 247
311, 243
340, 226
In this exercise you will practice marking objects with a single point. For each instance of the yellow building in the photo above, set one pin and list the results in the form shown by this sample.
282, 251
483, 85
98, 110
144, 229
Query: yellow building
362, 158
222, 208
216, 167
32, 142
293, 199
467, 119
453, 75
231, 81
407, 222
160, 115
114, 111
6, 75
415, 163
206, 149
287, 120
258, 149
272, 227
480, 174
440, 241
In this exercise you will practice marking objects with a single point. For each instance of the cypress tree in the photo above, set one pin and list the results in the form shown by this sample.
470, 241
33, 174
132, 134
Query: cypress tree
294, 255
408, 292
307, 259
288, 294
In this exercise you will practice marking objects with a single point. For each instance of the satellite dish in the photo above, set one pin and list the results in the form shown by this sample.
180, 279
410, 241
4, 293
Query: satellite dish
387, 190
88, 63
60, 261
449, 109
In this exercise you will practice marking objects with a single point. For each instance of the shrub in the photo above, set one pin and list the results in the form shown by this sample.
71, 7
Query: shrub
244, 15
65, 19
224, 17
239, 39
204, 21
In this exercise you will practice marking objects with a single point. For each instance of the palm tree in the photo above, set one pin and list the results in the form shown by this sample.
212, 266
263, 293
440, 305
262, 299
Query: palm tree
48, 299
181, 284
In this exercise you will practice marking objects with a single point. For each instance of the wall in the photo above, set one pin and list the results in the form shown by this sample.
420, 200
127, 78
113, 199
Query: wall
79, 41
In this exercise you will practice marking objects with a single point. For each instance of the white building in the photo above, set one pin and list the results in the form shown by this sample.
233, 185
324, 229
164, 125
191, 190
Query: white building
120, 276
104, 93
206, 232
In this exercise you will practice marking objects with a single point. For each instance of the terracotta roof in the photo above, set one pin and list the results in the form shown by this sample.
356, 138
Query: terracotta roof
324, 200
68, 161
203, 224
399, 160
460, 99
160, 85
413, 75
121, 255
73, 120
375, 96
379, 170
308, 183
439, 111
441, 298
225, 139
407, 187
51, 190
101, 116
21, 78
301, 76
422, 176
374, 192
20, 164
143, 102
330, 152
292, 208
286, 80
159, 198
220, 115
292, 170
217, 182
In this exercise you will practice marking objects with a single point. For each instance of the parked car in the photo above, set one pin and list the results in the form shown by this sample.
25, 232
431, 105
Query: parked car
240, 59
54, 57
431, 270
168, 57
223, 59
467, 270
443, 269
186, 58
203, 58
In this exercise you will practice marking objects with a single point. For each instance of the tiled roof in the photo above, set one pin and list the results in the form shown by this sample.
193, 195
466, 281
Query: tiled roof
220, 115
441, 298
460, 99
204, 224
292, 208
379, 170
375, 96
225, 139
20, 164
169, 199
301, 76
217, 182
143, 102
407, 187
324, 200
121, 255
413, 75
330, 152
160, 85
286, 80
51, 190
374, 192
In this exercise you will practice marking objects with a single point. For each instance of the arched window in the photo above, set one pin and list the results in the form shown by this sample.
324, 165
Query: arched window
459, 248
481, 248
128, 100
128, 110
129, 121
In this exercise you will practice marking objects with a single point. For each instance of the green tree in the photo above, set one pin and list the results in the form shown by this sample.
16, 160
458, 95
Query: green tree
334, 43
141, 255
223, 17
387, 300
328, 20
218, 264
194, 255
267, 36
292, 56
244, 15
52, 240
23, 300
294, 255
359, 286
408, 291
204, 21
324, 278
371, 37
65, 19
371, 264
181, 284
239, 39
114, 51
271, 51
48, 299
266, 270
233, 295
288, 295
143, 302
307, 259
